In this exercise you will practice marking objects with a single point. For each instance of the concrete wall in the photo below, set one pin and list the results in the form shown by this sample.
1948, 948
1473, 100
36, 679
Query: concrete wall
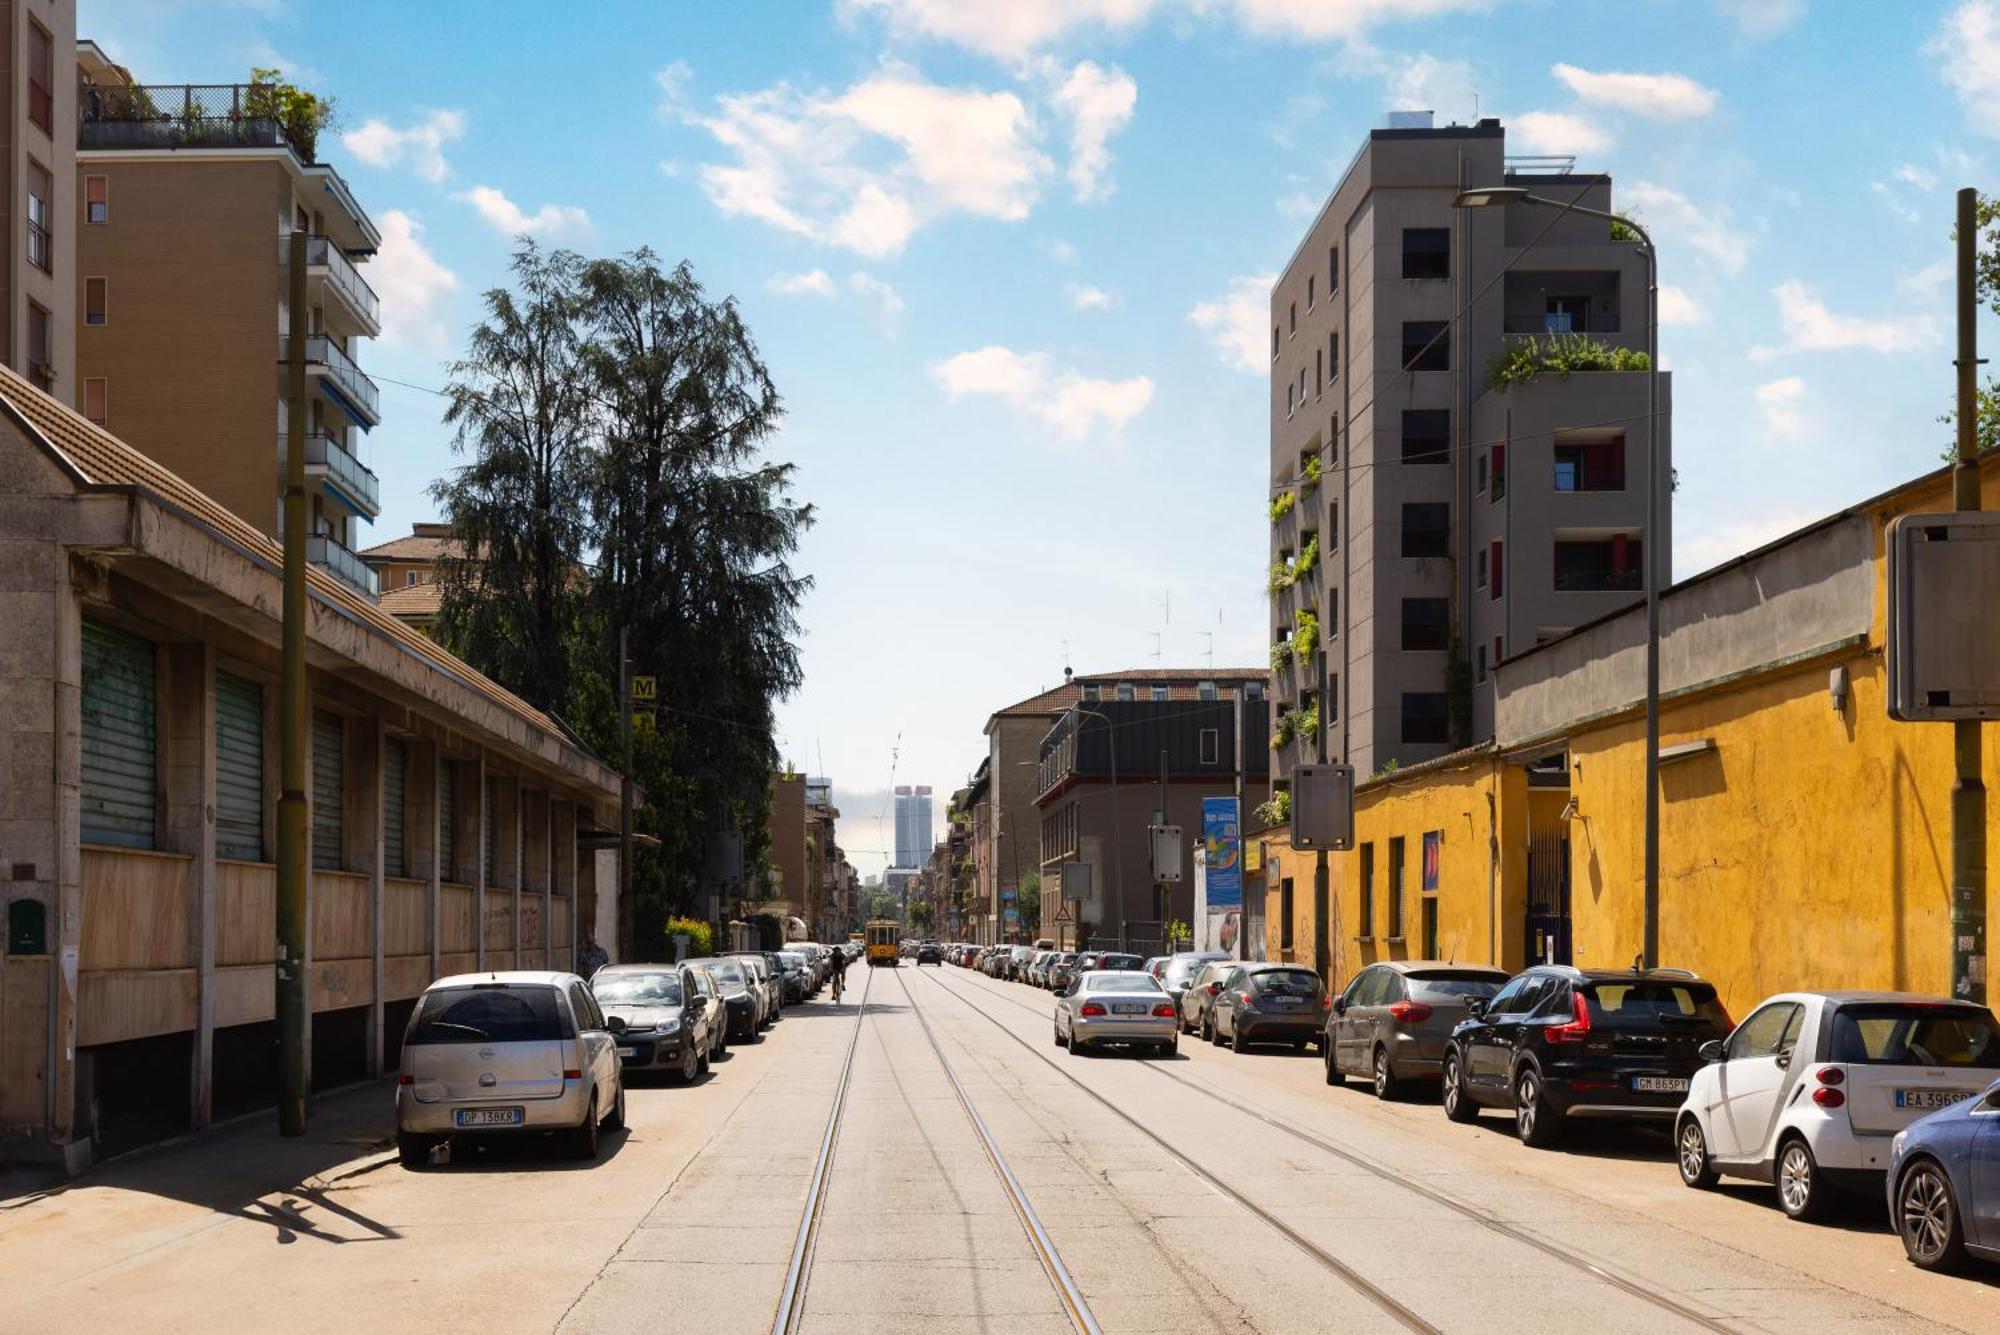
54, 151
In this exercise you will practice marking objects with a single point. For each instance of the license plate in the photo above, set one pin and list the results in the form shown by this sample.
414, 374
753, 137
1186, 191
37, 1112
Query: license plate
488, 1116
628, 1052
1659, 1084
1286, 1001
1127, 1008
1929, 1098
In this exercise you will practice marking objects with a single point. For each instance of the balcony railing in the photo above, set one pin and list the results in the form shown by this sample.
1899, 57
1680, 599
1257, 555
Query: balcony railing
323, 253
355, 480
323, 352
183, 115
1560, 323
38, 246
330, 552
1599, 581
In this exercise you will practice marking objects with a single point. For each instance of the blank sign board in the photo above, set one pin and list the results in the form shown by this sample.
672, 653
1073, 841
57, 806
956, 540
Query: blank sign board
1943, 646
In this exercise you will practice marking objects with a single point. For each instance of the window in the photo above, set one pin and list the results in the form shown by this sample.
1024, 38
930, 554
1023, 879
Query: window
1598, 466
1426, 435
328, 786
41, 363
1126, 691
1479, 665
1205, 691
1159, 693
1426, 718
1764, 1033
1499, 484
1426, 252
1311, 300
1333, 269
1332, 697
1253, 690
1333, 526
1497, 654
1333, 440
96, 292
1496, 569
395, 775
1427, 528
1274, 342
1426, 623
1367, 906
1430, 950
40, 190
1211, 746
1333, 356
96, 405
239, 768
1479, 569
41, 77
409, 579
1332, 614
1599, 565
1295, 317
96, 199
1285, 928
1319, 374
1091, 692
1426, 345
1290, 404
1479, 487
1302, 384
1396, 888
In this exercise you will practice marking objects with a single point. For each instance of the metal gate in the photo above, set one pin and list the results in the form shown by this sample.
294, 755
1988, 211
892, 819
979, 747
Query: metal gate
328, 788
1548, 898
120, 729
239, 768
395, 760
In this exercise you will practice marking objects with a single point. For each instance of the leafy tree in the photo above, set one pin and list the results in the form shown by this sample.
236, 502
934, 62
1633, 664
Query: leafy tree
301, 114
920, 915
1028, 899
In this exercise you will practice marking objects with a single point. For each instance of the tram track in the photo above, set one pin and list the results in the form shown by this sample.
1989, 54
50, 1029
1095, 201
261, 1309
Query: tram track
1381, 1171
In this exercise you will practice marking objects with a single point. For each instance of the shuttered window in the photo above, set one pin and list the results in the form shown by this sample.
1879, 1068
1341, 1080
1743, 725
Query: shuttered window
492, 844
327, 772
239, 768
448, 821
120, 737
395, 760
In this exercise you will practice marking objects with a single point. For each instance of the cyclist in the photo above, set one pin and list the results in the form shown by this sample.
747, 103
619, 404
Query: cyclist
839, 972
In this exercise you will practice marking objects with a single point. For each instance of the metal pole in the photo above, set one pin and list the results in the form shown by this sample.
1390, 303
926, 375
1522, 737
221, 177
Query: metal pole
1653, 550
627, 936
1968, 789
293, 1017
1241, 951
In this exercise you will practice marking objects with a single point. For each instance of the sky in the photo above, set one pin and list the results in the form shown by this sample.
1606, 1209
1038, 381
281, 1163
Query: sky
1008, 262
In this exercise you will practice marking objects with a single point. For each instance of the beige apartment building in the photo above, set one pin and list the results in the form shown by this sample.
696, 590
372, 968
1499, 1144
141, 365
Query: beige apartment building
38, 194
1419, 514
191, 196
407, 570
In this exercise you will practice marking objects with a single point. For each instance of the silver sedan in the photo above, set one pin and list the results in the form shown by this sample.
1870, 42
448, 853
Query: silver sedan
1117, 1006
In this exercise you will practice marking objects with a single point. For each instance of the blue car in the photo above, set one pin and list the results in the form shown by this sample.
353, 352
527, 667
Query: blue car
1944, 1183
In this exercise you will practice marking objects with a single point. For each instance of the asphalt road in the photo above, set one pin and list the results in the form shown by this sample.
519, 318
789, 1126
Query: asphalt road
1213, 1192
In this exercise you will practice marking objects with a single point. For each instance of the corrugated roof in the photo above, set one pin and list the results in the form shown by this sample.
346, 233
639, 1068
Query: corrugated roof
97, 458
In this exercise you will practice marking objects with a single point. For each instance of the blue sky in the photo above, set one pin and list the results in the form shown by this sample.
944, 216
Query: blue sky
1007, 264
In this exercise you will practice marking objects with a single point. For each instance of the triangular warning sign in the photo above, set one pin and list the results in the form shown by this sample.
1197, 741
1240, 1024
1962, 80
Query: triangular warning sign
1063, 914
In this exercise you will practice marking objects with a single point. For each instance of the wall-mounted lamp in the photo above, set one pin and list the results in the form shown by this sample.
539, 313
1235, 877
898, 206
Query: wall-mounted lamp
1836, 689
1569, 812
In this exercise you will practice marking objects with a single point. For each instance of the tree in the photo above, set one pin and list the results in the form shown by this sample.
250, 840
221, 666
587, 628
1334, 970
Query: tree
1028, 901
920, 915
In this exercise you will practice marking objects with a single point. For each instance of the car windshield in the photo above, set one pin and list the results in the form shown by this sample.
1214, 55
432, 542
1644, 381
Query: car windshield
486, 1013
1645, 1003
636, 989
1915, 1035
1118, 962
727, 972
1121, 980
1180, 970
793, 961
1288, 983
1437, 986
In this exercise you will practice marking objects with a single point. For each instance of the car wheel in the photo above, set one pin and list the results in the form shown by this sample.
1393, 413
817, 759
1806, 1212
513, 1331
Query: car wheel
1075, 1045
616, 1122
1333, 1075
1171, 1048
1802, 1193
413, 1152
1691, 1154
1237, 1042
1927, 1218
702, 1063
690, 1065
1536, 1122
1458, 1104
1059, 1038
583, 1138
1387, 1086
1208, 1029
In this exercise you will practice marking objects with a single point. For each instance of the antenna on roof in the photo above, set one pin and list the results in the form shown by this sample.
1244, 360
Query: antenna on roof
1209, 635
1156, 643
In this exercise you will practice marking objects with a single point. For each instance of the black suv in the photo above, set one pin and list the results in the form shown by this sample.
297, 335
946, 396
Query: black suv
930, 953
1558, 1042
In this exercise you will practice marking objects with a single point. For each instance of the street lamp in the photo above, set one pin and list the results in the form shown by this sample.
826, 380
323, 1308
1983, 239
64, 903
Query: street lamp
1117, 858
1508, 196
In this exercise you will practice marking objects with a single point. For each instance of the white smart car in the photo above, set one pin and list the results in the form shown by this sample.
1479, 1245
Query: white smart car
1810, 1090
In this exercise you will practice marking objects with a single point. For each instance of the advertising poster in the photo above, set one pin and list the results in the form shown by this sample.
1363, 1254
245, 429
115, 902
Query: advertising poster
1222, 844
1433, 850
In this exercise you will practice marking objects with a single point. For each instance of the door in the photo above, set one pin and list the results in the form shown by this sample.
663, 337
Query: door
1375, 1018
1982, 1212
1225, 1001
1346, 1019
1476, 1046
1492, 1064
1751, 1085
1548, 898
600, 1047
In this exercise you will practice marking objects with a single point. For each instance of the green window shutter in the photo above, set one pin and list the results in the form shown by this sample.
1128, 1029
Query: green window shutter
239, 768
448, 821
328, 791
120, 787
395, 759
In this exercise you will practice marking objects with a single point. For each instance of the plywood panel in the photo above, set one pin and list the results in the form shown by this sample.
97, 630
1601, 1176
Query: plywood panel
246, 913
405, 976
114, 1005
499, 920
406, 917
560, 959
341, 916
500, 959
247, 994
455, 919
24, 1040
559, 916
135, 910
337, 984
531, 922
460, 963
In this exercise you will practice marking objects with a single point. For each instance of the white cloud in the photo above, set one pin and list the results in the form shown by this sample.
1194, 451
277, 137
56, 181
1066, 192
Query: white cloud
1678, 309
419, 147
1098, 104
1923, 178
1008, 29
1928, 283
1781, 404
813, 283
553, 221
864, 169
888, 303
1420, 82
1062, 252
1758, 19
1966, 49
411, 283
1663, 97
1238, 322
1711, 544
1810, 327
1338, 20
1083, 297
1297, 205
1673, 219
1557, 132
1073, 406
1894, 202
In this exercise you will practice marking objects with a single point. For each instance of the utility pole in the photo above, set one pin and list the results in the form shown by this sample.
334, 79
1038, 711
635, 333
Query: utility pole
1242, 951
626, 936
1322, 891
293, 1019
1968, 789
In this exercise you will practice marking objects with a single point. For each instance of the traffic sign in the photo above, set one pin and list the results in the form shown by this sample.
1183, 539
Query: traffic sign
1062, 912
642, 720
645, 688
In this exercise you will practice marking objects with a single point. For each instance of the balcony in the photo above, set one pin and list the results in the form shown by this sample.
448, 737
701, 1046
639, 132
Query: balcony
327, 264
1584, 301
183, 115
341, 475
333, 556
339, 375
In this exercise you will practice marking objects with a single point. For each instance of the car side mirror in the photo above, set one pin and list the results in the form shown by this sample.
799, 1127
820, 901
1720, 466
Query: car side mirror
615, 1023
1475, 1007
1711, 1051
1340, 1005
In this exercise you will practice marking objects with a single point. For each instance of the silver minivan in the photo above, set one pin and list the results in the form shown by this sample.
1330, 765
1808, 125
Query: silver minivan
507, 1053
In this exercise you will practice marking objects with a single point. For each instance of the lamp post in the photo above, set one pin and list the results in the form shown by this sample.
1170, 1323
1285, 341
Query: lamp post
1117, 858
1509, 196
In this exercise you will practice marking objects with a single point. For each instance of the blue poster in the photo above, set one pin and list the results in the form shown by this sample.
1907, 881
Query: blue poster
1222, 836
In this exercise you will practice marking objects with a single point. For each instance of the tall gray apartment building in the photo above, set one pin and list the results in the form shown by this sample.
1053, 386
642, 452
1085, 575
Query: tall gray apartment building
913, 825
1433, 515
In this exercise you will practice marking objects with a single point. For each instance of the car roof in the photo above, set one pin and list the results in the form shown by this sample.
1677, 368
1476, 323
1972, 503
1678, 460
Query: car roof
1865, 997
513, 977
1411, 966
1102, 976
1574, 974
635, 968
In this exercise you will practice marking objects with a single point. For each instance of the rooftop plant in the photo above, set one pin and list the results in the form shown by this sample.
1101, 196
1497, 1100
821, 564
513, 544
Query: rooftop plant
1276, 811
1558, 354
302, 114
1282, 505
1313, 471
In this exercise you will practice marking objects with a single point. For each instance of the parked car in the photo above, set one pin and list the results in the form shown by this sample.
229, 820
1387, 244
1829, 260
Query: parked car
738, 998
1268, 1003
658, 1016
1115, 960
711, 991
508, 1052
797, 980
930, 953
1559, 1042
1944, 1185
1179, 970
1200, 992
1036, 974
1062, 968
1017, 960
758, 976
1390, 1024
1151, 968
1124, 1006
1809, 1092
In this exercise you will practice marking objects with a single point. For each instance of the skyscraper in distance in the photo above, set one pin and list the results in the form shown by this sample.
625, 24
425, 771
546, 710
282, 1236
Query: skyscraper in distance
913, 824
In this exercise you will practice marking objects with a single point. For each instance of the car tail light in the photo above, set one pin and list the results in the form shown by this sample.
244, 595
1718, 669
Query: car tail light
1166, 1009
1410, 1012
572, 1075
1244, 997
406, 1080
1091, 1008
1830, 1075
1828, 1098
1214, 989
1577, 1030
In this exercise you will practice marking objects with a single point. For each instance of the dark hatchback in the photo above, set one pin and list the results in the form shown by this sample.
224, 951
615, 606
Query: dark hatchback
1558, 1042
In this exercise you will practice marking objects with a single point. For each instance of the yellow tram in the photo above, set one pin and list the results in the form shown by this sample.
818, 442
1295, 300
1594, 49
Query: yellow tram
885, 937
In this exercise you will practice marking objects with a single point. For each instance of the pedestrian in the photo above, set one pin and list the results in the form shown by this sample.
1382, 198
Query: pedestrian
839, 972
593, 957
